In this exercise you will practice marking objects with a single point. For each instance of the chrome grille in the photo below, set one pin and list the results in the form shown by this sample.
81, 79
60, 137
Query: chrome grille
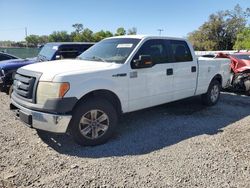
24, 86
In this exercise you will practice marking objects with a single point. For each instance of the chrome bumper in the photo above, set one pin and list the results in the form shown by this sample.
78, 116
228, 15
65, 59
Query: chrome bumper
43, 121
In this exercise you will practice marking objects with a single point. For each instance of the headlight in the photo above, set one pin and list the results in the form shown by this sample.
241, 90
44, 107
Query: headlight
51, 90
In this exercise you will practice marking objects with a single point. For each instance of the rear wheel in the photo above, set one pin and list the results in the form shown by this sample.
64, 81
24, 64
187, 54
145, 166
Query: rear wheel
93, 122
213, 94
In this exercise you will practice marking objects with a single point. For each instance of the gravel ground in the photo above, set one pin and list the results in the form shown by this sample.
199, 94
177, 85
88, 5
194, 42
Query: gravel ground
181, 144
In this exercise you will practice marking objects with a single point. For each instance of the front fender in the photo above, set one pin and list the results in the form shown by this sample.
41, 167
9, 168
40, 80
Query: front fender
79, 90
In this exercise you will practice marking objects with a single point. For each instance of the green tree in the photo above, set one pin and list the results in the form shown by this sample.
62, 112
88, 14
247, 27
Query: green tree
43, 39
109, 34
220, 31
132, 31
120, 31
85, 36
243, 40
60, 36
32, 40
6, 43
102, 35
78, 27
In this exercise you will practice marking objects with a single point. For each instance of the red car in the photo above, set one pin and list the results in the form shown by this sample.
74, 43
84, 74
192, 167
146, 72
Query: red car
240, 65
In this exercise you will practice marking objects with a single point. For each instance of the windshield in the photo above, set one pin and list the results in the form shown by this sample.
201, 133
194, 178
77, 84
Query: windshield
47, 52
242, 56
114, 50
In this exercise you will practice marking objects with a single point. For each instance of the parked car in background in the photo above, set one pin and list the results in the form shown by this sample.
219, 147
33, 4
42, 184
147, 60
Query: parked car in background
240, 66
49, 52
5, 56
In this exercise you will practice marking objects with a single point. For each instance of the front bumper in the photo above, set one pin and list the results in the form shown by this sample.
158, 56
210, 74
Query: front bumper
43, 121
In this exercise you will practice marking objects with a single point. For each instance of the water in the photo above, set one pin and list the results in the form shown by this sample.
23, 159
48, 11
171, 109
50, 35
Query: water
22, 52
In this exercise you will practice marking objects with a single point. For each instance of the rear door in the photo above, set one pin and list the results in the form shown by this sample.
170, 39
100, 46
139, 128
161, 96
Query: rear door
185, 69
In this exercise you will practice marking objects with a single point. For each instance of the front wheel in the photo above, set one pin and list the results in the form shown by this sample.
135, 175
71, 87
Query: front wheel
213, 94
93, 122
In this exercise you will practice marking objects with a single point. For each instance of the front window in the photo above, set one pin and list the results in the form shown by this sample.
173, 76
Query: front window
242, 56
114, 50
156, 49
47, 52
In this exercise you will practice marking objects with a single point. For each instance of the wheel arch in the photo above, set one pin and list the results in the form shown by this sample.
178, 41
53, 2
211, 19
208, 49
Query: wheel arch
218, 78
105, 94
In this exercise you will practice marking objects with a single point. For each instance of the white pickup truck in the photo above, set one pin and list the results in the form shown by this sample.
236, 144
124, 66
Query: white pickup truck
117, 75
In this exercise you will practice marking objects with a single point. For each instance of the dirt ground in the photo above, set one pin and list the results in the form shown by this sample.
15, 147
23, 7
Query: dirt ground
181, 144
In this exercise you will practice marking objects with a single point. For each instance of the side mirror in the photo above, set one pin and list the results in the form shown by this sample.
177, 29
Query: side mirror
144, 61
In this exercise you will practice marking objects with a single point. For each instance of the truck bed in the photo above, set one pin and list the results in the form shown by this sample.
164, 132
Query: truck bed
210, 67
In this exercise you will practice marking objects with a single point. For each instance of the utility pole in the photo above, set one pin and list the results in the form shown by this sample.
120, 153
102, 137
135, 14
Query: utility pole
26, 34
160, 30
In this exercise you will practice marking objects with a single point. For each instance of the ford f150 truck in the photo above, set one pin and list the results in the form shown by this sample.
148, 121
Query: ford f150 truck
49, 52
86, 96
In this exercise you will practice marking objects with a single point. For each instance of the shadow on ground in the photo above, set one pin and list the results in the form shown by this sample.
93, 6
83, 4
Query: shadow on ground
155, 128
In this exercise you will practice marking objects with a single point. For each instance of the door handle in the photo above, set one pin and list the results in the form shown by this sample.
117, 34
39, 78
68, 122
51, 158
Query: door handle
170, 72
193, 69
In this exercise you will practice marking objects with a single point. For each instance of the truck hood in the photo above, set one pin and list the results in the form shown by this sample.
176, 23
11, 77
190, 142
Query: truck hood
53, 68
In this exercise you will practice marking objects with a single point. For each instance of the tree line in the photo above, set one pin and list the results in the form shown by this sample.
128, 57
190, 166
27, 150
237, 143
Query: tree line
224, 30
80, 34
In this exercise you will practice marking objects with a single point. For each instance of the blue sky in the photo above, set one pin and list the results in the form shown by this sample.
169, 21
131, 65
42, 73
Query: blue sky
177, 17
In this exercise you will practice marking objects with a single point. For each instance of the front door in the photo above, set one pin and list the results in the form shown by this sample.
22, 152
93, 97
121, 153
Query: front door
151, 86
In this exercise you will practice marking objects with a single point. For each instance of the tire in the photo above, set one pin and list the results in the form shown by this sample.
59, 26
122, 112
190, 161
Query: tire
213, 94
93, 122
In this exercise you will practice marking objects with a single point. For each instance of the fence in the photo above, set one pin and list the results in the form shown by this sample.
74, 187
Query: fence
22, 52
200, 53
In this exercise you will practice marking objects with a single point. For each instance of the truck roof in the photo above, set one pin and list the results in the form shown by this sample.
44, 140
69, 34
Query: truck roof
68, 43
148, 36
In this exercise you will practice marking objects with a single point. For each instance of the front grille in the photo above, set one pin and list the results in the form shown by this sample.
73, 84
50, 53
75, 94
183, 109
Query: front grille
24, 86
